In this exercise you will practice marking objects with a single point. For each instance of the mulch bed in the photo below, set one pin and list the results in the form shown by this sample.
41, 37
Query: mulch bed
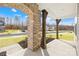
49, 40
3, 53
23, 44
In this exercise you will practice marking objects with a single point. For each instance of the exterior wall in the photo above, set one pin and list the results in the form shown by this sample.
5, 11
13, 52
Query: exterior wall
32, 10
77, 29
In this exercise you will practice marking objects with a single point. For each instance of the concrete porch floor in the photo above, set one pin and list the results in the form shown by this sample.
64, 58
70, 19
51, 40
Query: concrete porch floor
54, 48
61, 48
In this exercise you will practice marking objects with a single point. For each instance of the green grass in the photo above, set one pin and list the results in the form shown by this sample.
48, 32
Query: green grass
64, 36
6, 41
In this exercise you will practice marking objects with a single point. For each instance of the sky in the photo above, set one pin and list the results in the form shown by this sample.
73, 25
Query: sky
66, 21
11, 12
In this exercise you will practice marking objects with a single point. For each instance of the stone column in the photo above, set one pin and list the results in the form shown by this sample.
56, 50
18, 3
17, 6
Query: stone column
34, 30
43, 40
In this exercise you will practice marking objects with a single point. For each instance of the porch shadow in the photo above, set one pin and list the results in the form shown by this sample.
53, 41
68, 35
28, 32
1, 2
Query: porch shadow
29, 52
45, 52
40, 52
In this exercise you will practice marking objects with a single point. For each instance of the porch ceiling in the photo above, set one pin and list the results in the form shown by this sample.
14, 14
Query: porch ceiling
59, 10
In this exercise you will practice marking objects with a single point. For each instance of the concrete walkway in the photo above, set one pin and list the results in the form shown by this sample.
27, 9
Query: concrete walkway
60, 48
54, 48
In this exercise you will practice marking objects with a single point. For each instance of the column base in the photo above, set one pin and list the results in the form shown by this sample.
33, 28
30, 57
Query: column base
29, 52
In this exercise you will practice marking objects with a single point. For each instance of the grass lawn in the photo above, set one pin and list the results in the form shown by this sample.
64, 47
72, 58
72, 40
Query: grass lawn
64, 36
5, 41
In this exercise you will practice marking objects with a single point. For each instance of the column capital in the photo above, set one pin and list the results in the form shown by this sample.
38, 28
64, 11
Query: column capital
58, 21
44, 10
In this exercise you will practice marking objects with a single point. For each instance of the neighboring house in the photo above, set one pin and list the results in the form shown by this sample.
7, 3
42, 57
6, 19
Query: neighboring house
66, 27
50, 27
60, 27
2, 23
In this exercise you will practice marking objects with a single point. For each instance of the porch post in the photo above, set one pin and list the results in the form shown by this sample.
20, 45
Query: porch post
43, 40
57, 30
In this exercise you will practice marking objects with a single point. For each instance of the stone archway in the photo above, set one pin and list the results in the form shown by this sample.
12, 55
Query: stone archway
33, 26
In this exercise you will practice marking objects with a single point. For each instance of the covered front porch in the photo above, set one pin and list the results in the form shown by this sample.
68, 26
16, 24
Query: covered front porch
36, 44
